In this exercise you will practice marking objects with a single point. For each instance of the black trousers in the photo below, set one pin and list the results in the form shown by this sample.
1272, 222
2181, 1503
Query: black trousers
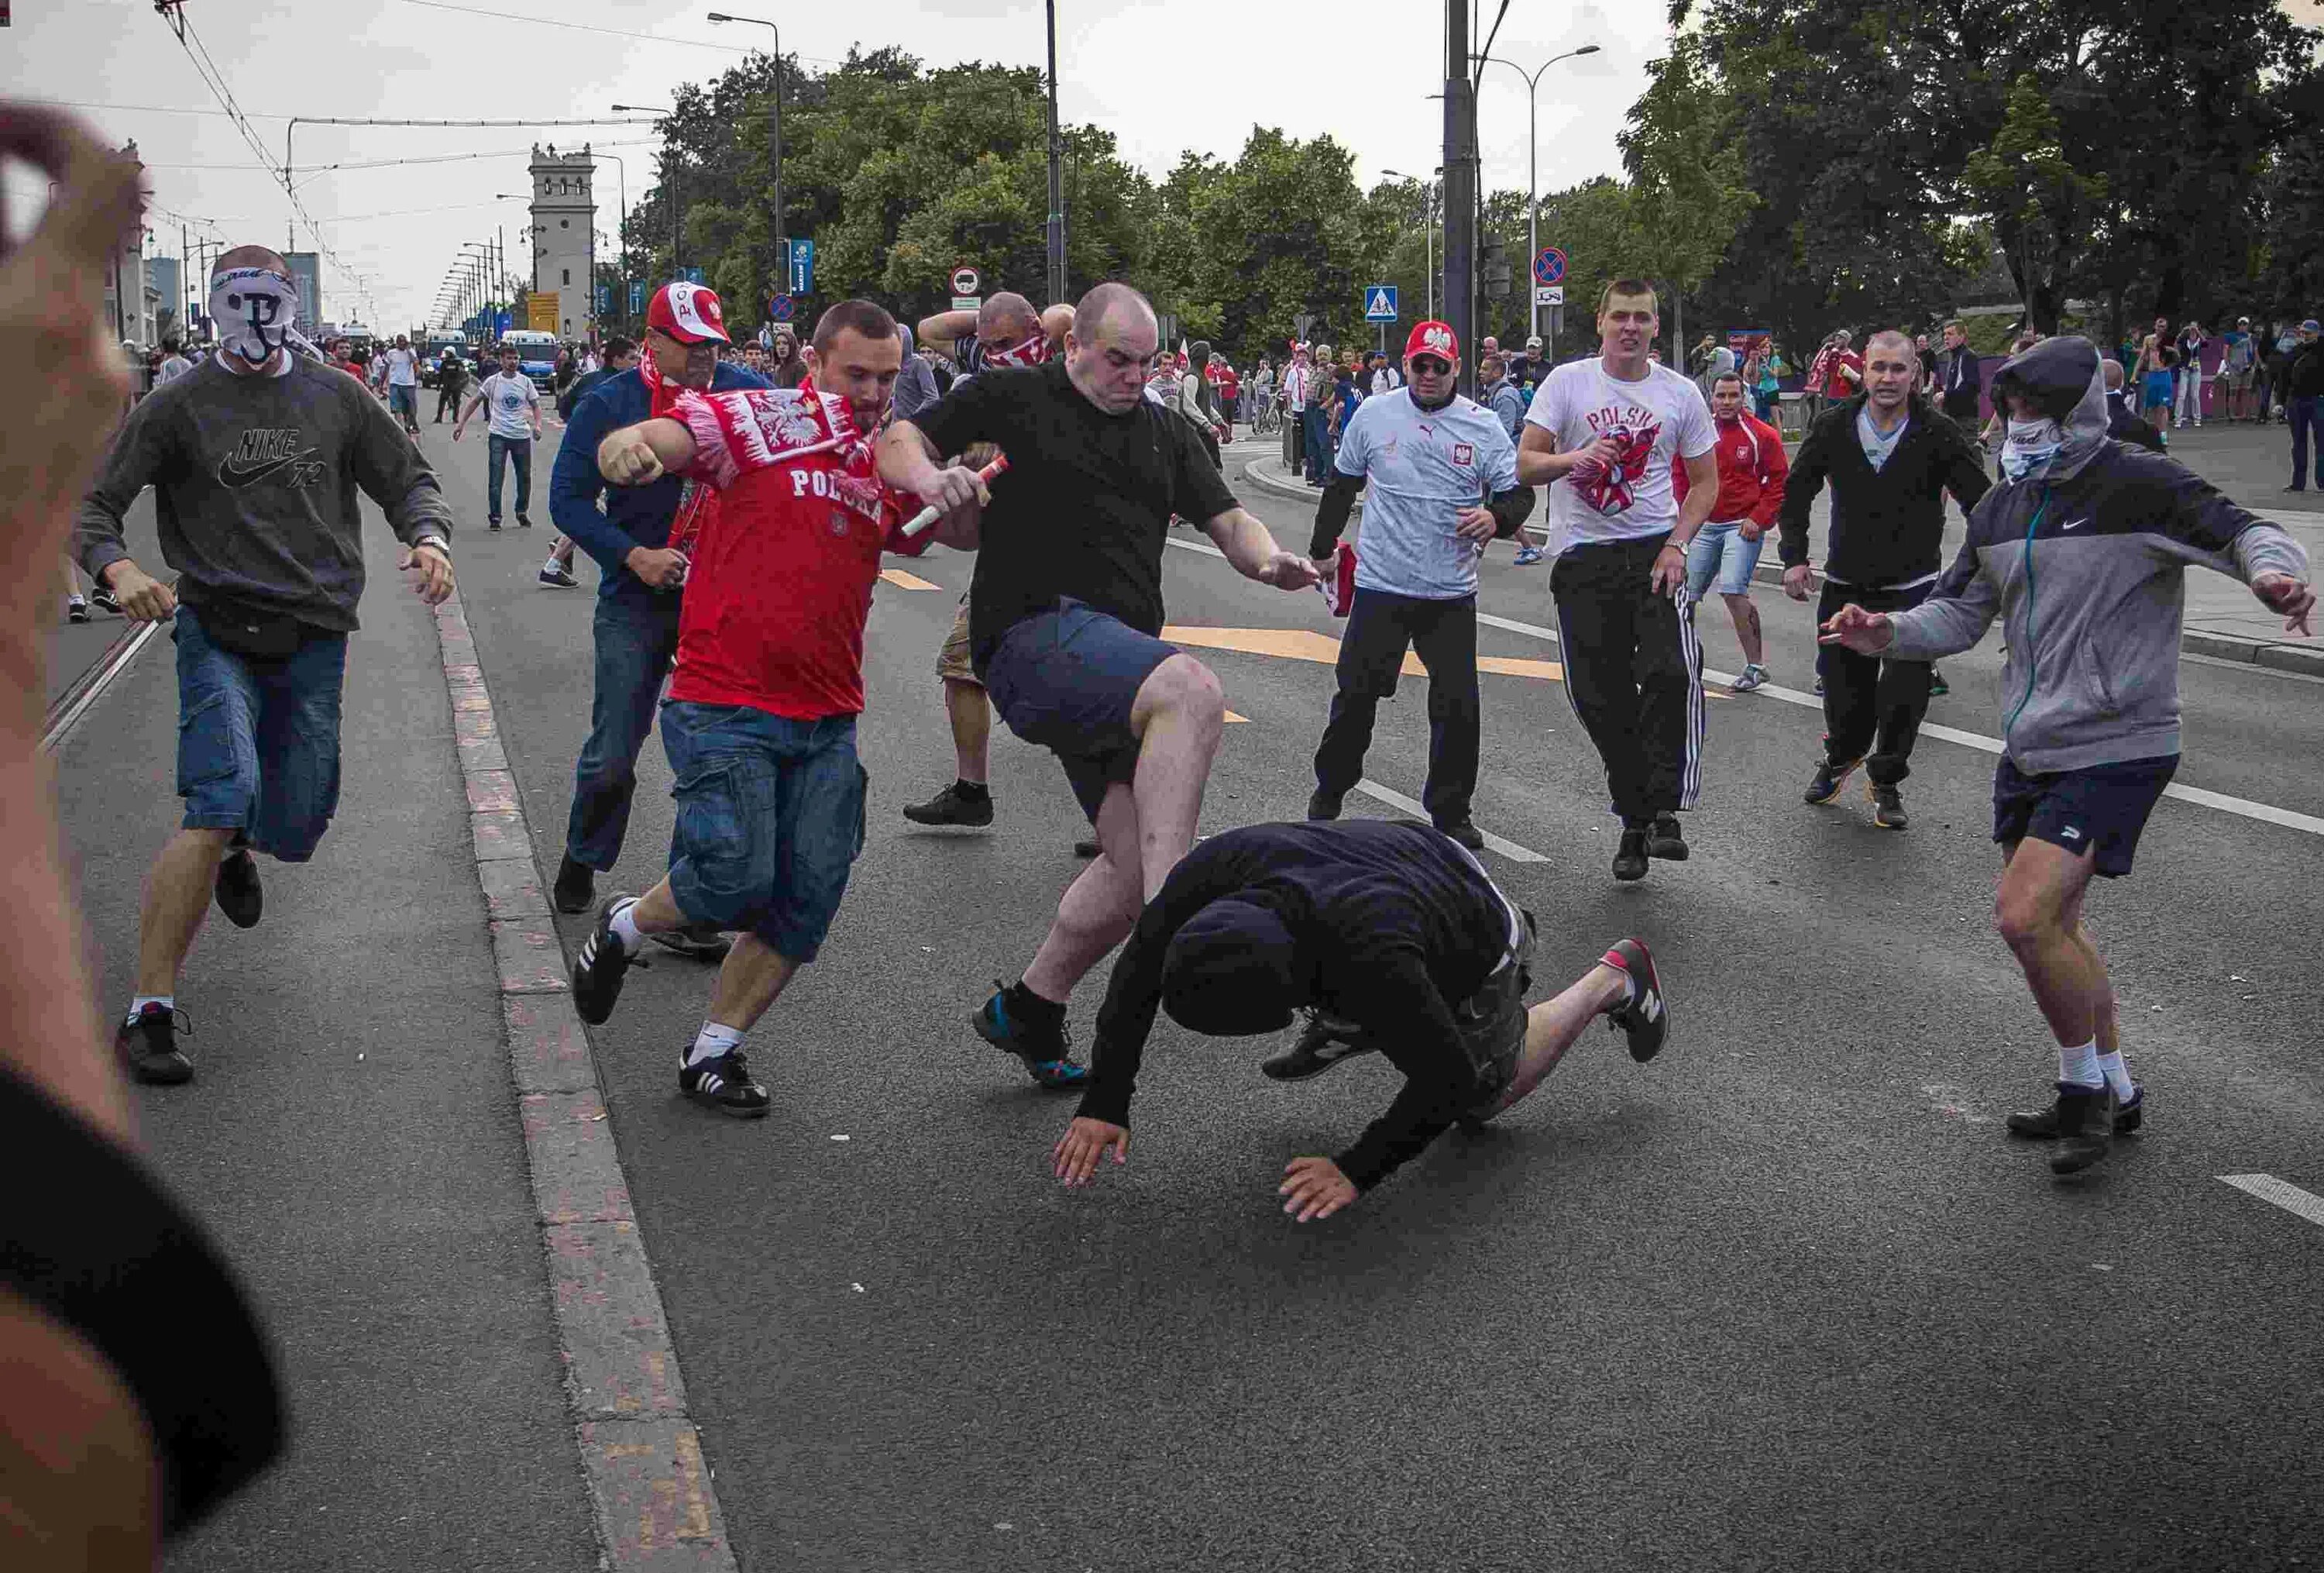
448, 397
1443, 633
1634, 672
1872, 707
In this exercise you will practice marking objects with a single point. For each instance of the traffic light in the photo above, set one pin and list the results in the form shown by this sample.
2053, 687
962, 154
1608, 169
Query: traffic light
1496, 270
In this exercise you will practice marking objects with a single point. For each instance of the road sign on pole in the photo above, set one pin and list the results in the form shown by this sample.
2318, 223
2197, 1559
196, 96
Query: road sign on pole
966, 280
1549, 267
637, 297
781, 308
1549, 294
1379, 303
802, 266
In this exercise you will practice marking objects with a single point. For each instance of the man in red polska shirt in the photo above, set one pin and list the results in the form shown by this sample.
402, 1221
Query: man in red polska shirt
760, 726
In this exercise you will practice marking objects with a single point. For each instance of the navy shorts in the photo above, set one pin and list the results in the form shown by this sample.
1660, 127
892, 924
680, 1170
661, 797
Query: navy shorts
2101, 806
769, 820
258, 741
1067, 680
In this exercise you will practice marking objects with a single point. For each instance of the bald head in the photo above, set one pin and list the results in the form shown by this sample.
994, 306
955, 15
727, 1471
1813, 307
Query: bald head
251, 257
1103, 303
1007, 317
1889, 338
2111, 370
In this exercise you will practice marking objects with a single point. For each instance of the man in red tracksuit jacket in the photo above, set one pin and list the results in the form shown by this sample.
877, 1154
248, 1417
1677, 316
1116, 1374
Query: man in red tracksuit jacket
1751, 473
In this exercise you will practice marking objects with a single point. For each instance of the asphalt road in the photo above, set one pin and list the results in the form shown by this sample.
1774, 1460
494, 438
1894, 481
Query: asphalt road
1785, 1298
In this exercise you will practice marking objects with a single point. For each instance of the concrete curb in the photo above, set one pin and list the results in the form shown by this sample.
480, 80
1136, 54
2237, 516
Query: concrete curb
2272, 655
638, 1451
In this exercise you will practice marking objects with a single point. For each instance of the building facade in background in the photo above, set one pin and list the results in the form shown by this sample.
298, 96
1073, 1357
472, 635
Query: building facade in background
307, 272
165, 280
564, 237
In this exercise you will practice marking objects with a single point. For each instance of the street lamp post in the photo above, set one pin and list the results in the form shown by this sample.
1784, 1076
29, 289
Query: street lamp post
1056, 186
1427, 224
621, 235
1533, 151
775, 136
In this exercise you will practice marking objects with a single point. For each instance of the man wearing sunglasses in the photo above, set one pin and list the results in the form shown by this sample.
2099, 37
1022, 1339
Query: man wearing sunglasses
1443, 477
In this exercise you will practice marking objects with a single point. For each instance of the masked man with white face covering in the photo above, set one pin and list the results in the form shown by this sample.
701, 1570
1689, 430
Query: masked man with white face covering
2081, 552
255, 458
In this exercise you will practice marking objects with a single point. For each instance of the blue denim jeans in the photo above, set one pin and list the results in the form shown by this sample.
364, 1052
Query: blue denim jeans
636, 640
520, 452
258, 741
769, 820
1315, 440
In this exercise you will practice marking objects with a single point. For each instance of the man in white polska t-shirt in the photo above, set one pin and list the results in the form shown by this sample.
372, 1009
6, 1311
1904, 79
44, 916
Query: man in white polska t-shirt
515, 425
1602, 435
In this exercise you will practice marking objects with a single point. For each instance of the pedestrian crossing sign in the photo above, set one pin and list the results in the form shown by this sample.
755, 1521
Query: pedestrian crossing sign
1379, 303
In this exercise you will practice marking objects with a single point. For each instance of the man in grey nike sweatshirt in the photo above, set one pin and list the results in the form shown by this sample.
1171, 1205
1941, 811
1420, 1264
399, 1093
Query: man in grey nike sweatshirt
2082, 553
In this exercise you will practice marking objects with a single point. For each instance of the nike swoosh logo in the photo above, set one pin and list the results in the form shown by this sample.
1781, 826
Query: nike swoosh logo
2075, 524
231, 473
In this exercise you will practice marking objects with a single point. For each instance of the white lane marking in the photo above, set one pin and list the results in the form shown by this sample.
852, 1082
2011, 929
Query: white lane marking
2279, 1193
1397, 800
2266, 813
70, 718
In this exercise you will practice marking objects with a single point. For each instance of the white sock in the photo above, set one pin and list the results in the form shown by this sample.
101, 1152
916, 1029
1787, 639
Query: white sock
136, 1005
2078, 1065
712, 1041
625, 927
2116, 1073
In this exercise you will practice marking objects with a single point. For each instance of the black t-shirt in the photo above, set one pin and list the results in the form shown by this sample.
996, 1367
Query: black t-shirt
1086, 501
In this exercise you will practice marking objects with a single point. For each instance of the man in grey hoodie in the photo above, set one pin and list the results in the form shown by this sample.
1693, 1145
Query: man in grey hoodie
2083, 552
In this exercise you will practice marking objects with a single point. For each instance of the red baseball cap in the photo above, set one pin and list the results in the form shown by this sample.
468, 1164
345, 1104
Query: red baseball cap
1433, 338
687, 313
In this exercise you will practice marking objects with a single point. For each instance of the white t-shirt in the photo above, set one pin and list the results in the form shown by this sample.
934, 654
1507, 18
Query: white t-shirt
402, 369
511, 400
1658, 419
1425, 467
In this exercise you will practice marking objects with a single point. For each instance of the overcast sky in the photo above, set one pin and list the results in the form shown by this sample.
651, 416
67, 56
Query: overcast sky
1163, 78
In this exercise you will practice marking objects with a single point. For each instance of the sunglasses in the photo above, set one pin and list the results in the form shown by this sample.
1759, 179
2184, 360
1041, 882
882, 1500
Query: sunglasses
1428, 365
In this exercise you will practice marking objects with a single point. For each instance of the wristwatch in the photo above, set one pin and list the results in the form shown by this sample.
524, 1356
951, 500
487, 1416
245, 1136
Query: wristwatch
437, 541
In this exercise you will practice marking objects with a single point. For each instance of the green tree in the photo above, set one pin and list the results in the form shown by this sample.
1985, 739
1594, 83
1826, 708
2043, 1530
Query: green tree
1688, 191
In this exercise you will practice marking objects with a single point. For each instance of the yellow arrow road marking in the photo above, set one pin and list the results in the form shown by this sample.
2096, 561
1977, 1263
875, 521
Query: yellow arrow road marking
906, 581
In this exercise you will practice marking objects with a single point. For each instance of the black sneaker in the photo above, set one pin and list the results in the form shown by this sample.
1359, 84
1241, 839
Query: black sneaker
1324, 1041
76, 610
2085, 1126
1938, 687
1644, 1019
1462, 831
2045, 1125
1665, 840
724, 1082
599, 969
148, 1046
1888, 806
1829, 778
103, 600
1819, 683
1046, 1051
1630, 856
948, 807
1087, 848
695, 942
557, 574
239, 895
523, 523
491, 524
1323, 805
576, 883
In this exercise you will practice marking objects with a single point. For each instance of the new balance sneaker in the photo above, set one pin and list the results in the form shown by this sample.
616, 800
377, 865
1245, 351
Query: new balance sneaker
1643, 1018
2046, 1125
724, 1082
148, 1046
1463, 830
1753, 676
1323, 805
576, 883
1630, 856
1665, 840
1324, 1041
239, 894
1044, 1049
599, 969
695, 942
554, 572
1529, 555
2085, 1126
950, 806
1828, 779
1888, 806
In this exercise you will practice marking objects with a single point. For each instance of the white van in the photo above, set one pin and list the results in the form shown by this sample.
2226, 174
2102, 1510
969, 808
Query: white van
536, 355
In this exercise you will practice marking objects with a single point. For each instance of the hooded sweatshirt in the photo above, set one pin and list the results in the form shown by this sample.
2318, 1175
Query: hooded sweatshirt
2085, 564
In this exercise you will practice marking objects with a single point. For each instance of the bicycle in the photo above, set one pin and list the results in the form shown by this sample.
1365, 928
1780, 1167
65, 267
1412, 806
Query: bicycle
1267, 421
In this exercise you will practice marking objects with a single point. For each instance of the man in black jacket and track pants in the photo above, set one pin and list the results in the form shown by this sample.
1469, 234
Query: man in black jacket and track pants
1959, 376
1890, 459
